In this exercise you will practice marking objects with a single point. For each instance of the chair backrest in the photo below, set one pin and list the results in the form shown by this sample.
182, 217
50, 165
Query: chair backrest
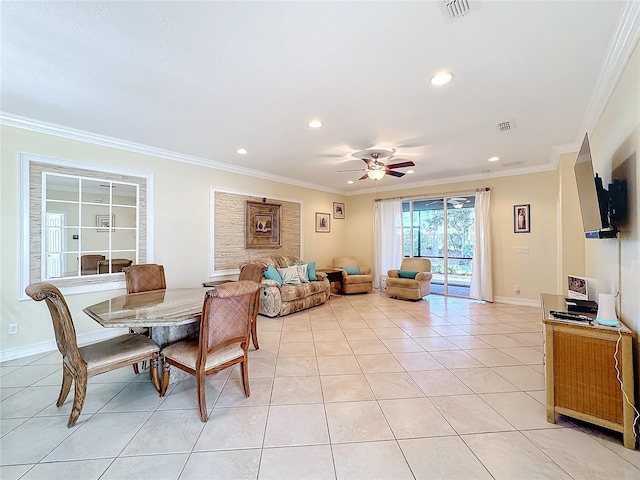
89, 263
63, 327
416, 264
144, 278
344, 262
226, 317
253, 272
117, 265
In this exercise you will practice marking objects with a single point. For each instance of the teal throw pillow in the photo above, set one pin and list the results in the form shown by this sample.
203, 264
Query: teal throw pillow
311, 271
351, 270
407, 274
272, 274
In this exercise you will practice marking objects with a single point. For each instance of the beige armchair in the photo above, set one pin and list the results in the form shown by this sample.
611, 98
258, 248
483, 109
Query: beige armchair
353, 282
412, 280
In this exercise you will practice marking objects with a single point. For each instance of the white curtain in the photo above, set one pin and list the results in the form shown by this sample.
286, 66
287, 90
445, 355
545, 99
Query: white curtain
481, 280
387, 237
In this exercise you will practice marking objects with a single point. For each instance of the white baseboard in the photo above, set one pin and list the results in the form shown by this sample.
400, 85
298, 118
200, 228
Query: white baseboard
50, 346
518, 301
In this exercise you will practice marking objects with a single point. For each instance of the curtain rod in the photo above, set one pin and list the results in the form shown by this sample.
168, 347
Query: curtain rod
429, 195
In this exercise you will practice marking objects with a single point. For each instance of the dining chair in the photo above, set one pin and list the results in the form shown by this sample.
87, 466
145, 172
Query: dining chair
255, 273
81, 363
223, 340
144, 277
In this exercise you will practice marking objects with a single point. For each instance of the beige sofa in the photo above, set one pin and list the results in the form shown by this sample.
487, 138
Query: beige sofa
277, 300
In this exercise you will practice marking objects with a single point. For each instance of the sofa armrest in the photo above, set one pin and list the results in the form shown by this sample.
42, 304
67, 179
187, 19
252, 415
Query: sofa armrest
424, 276
365, 270
320, 276
393, 274
269, 283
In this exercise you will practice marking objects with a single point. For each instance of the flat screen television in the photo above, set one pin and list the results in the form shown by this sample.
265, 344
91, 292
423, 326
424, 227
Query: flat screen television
600, 208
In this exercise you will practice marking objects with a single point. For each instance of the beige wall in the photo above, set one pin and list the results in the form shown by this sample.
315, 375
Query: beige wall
535, 272
615, 143
181, 225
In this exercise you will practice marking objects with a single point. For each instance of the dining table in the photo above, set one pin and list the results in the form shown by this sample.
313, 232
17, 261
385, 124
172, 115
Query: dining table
170, 315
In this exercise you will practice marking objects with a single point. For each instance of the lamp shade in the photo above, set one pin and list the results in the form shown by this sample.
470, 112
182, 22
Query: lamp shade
375, 174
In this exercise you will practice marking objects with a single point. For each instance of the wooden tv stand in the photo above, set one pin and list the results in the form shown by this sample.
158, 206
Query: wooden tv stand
581, 379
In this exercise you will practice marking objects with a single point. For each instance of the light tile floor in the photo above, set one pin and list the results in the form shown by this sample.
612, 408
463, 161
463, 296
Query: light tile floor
362, 387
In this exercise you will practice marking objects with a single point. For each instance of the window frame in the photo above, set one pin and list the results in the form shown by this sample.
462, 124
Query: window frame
32, 168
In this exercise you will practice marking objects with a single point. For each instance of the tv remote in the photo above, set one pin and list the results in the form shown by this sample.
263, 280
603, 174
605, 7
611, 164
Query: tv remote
569, 316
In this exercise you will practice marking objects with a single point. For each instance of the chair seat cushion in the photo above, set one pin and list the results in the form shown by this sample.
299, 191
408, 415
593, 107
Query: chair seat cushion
352, 279
186, 353
118, 350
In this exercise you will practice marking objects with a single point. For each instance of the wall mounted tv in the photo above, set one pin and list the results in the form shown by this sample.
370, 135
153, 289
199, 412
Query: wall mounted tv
601, 208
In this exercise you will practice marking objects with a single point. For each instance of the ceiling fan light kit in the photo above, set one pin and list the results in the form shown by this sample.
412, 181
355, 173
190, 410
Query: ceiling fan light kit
376, 170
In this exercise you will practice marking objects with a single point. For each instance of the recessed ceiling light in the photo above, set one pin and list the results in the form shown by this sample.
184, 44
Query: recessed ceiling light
315, 124
441, 78
494, 159
242, 151
409, 172
350, 182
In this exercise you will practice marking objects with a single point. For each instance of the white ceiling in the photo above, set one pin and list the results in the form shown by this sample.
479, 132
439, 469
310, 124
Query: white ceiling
202, 79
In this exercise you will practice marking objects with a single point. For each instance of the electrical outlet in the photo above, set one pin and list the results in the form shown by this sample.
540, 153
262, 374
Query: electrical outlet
518, 289
522, 250
13, 328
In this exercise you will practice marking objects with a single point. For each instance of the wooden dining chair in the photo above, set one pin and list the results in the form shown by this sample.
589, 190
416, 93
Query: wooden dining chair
223, 340
255, 273
144, 277
81, 363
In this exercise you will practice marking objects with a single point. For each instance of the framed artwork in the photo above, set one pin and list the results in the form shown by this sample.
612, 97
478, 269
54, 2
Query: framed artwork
105, 222
338, 210
323, 222
262, 229
521, 219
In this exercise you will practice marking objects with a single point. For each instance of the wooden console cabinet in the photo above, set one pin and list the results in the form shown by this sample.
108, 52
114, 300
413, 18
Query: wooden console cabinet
580, 373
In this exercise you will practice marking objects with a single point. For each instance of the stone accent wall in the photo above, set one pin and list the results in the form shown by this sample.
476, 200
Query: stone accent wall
229, 231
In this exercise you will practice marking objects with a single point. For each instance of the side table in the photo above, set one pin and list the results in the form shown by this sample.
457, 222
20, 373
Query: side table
334, 276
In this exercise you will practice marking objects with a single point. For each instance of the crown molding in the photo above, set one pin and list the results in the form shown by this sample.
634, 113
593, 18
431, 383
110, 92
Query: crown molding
620, 49
38, 126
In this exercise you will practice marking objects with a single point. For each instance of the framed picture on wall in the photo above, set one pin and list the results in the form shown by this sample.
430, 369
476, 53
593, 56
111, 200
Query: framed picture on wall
105, 222
323, 222
338, 210
262, 229
521, 219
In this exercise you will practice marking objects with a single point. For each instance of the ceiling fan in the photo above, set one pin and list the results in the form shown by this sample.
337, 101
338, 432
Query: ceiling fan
376, 169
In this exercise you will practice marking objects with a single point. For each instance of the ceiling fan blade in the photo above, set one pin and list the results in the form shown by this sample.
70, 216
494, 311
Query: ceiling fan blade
364, 177
394, 174
369, 163
402, 164
353, 170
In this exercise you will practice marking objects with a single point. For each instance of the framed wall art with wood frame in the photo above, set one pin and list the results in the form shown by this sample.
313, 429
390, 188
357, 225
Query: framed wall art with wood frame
262, 225
323, 222
521, 219
338, 210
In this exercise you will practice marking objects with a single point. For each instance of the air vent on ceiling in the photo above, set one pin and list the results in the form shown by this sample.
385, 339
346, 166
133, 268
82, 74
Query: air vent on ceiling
457, 8
506, 126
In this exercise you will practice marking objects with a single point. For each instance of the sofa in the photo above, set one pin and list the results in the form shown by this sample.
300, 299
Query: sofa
278, 299
355, 278
412, 280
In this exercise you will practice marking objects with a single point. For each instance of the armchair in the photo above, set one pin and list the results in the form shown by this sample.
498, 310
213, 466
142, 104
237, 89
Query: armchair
412, 280
355, 279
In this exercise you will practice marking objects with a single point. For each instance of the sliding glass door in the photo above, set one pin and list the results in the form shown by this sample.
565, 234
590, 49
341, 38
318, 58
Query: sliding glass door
442, 229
